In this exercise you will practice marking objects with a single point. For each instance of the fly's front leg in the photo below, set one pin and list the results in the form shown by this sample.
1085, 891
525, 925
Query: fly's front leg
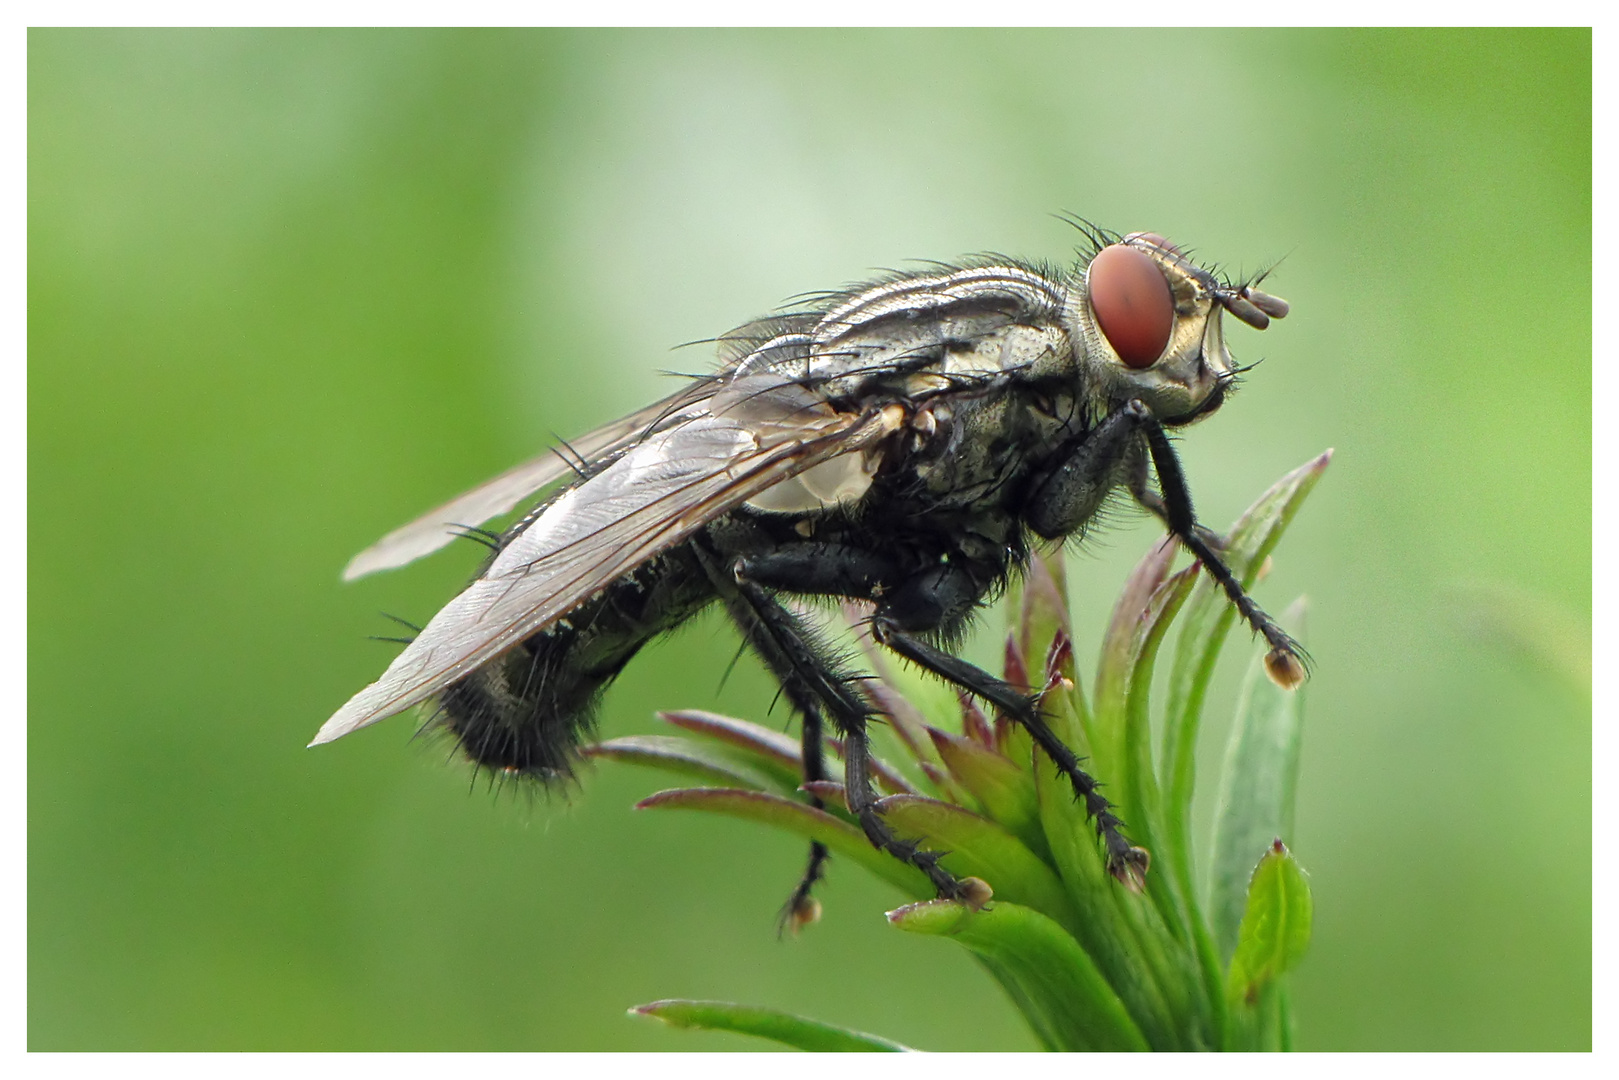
913, 608
1286, 663
1070, 494
1140, 481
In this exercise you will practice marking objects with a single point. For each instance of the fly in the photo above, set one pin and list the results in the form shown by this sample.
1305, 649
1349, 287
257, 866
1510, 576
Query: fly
905, 442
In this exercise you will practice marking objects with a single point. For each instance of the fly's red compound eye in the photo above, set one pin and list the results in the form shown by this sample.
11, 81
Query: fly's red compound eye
1133, 306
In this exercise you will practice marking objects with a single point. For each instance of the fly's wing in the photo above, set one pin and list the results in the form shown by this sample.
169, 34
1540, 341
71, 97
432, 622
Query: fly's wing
438, 527
758, 432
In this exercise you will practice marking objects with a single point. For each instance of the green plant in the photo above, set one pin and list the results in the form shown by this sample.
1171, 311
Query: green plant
1182, 963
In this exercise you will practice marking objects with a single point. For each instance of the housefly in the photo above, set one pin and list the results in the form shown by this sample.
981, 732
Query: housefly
904, 442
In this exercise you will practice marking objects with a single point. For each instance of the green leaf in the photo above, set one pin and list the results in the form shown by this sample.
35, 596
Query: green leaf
1107, 732
1005, 791
798, 1031
1257, 788
1275, 927
1042, 611
977, 847
1139, 790
683, 757
778, 754
1058, 989
1120, 930
796, 818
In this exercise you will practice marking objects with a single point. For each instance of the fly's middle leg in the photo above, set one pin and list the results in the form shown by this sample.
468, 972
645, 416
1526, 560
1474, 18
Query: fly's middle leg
920, 605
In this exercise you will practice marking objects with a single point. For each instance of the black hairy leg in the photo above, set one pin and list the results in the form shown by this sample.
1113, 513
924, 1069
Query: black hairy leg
819, 569
1140, 482
1126, 862
802, 908
1287, 662
812, 681
1071, 492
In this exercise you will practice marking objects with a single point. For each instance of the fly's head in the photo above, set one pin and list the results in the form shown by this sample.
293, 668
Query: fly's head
1148, 326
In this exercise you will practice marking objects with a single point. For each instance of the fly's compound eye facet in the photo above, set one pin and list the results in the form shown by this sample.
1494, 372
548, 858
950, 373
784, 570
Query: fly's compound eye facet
1133, 305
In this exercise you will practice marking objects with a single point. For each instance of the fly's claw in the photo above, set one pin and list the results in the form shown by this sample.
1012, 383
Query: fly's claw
801, 911
1129, 868
1285, 668
974, 892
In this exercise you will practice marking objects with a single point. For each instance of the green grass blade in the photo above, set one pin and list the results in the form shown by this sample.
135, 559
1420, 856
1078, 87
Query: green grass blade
1040, 605
1107, 733
782, 1027
1207, 619
1257, 788
1058, 989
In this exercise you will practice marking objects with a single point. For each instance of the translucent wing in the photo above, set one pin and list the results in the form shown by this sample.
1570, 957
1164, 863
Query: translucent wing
756, 432
439, 526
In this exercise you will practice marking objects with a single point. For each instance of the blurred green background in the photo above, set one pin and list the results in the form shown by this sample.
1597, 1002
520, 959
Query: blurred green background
288, 289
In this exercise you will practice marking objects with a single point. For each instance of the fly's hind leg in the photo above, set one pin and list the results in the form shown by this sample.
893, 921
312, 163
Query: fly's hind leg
802, 908
812, 680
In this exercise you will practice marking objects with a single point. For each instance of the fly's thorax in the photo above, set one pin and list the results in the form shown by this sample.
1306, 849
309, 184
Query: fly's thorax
966, 446
1145, 322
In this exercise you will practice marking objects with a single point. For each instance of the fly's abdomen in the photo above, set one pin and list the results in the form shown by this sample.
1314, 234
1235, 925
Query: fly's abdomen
528, 711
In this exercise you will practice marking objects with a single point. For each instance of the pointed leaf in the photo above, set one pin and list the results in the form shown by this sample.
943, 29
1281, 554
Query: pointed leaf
1042, 609
779, 753
1140, 782
682, 757
974, 724
796, 818
783, 1027
1275, 927
1054, 983
1257, 788
977, 847
1107, 734
1005, 791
